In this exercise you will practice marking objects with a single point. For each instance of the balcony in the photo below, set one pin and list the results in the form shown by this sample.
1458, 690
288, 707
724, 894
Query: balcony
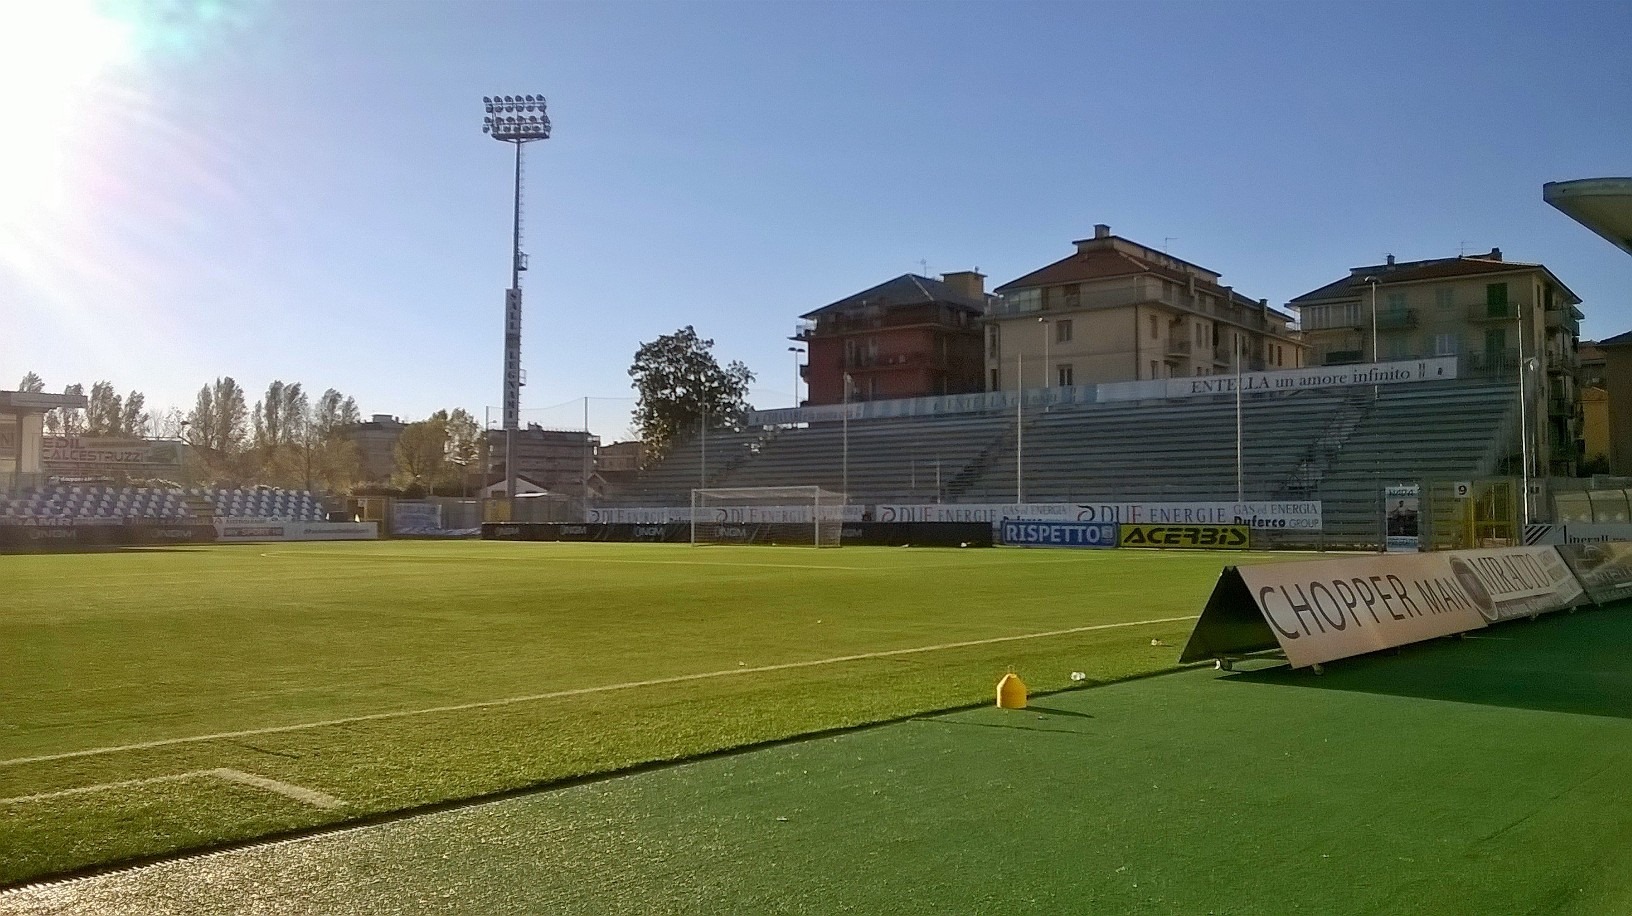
1221, 355
1560, 406
1396, 319
1492, 362
889, 361
1484, 311
1178, 349
1562, 320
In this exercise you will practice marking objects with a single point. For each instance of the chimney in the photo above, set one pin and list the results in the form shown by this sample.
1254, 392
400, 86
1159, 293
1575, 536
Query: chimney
1495, 254
1390, 260
970, 283
1102, 231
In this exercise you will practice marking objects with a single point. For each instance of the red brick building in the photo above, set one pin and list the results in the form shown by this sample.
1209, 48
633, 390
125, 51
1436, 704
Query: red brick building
905, 338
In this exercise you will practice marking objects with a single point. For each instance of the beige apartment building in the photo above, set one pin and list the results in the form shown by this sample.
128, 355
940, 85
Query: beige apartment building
1495, 315
1116, 311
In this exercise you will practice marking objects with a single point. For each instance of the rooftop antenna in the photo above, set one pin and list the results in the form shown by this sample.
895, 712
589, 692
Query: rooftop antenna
1166, 240
1461, 249
925, 265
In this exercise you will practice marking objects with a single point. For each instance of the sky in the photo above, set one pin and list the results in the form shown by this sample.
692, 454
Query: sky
302, 191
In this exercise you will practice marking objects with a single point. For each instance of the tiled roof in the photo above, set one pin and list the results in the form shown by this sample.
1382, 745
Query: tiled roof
1108, 263
1417, 271
1089, 265
1619, 340
907, 289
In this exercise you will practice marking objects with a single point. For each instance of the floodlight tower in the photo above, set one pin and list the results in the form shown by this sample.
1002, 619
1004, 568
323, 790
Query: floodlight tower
518, 119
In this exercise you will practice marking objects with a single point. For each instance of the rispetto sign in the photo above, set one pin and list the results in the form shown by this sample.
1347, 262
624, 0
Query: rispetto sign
1330, 609
1059, 534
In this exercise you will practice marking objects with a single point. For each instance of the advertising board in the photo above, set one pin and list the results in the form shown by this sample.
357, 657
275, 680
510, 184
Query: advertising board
1194, 537
1026, 533
1329, 609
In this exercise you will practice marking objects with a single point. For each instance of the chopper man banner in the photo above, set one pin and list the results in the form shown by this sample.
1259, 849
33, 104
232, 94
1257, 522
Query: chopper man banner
1329, 609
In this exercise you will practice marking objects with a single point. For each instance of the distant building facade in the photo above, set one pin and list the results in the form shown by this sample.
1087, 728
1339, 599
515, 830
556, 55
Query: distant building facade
1116, 310
553, 458
377, 446
905, 338
1492, 313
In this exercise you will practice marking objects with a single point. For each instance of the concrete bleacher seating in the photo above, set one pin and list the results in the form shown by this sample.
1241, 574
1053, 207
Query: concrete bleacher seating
95, 502
1336, 446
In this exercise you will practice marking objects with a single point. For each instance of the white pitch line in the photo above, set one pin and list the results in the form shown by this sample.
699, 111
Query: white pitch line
578, 691
288, 790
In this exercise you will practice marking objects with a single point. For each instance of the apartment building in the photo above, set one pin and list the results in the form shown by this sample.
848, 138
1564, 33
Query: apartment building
1116, 310
908, 337
1495, 315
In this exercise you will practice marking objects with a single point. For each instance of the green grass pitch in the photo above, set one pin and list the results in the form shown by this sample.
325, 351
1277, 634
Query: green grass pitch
380, 677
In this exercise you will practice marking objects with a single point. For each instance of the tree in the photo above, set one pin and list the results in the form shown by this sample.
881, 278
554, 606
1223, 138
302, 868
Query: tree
31, 383
217, 426
105, 411
331, 457
422, 452
134, 423
280, 420
467, 447
66, 421
681, 387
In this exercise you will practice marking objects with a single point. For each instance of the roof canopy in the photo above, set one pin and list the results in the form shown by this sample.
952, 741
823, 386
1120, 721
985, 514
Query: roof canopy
1603, 205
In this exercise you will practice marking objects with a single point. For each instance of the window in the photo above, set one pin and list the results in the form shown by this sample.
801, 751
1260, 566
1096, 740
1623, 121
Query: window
994, 381
1395, 302
1496, 300
1448, 344
1340, 315
1062, 330
1442, 298
1065, 375
1155, 369
993, 350
1199, 332
1397, 348
1155, 328
1024, 300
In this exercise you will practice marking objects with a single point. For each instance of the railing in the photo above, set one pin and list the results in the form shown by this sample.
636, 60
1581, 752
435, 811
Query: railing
1492, 362
895, 361
1343, 357
1484, 311
1178, 348
1561, 319
1396, 319
1221, 354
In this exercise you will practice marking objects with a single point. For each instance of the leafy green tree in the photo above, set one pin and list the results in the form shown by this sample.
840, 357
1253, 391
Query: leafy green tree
105, 411
422, 452
682, 388
31, 383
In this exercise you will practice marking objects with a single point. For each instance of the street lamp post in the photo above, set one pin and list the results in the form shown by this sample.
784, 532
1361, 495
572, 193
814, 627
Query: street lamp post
796, 351
517, 119
1046, 364
1373, 282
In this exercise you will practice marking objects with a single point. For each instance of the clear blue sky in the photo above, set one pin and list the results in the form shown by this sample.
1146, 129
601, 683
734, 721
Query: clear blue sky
302, 191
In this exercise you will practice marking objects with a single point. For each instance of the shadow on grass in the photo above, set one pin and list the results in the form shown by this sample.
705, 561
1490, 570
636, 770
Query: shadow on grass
1574, 663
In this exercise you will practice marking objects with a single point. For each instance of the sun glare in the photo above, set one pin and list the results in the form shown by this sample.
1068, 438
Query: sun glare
53, 56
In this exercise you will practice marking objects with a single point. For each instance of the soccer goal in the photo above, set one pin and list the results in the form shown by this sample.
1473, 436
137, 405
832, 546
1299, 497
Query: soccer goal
808, 516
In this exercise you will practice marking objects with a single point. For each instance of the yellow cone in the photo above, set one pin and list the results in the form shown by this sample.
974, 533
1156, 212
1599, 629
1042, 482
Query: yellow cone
1011, 692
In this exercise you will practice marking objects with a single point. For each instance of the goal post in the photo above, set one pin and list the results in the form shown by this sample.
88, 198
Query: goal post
792, 516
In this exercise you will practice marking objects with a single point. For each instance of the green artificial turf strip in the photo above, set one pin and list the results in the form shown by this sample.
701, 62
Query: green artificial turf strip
131, 647
1265, 792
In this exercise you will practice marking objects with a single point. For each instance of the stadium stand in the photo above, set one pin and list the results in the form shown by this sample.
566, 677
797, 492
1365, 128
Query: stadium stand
98, 502
1334, 446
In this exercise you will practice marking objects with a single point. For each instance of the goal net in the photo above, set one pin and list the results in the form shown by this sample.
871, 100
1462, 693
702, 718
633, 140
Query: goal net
808, 516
